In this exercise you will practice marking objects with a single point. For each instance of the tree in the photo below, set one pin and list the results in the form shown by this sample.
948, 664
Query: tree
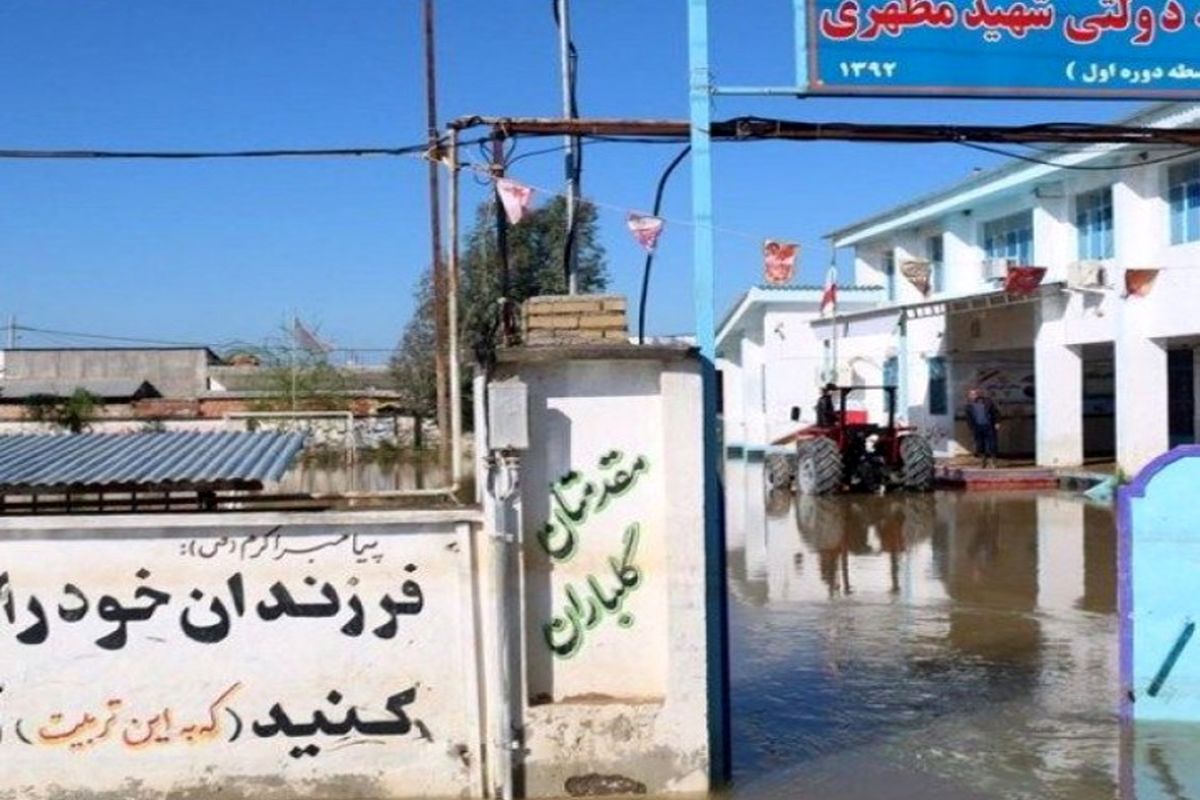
294, 378
535, 249
535, 258
73, 414
411, 364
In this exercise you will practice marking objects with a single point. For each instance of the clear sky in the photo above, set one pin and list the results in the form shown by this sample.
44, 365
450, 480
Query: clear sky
222, 251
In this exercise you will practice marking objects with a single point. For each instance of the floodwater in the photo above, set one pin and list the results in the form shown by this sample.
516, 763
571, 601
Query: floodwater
363, 476
956, 645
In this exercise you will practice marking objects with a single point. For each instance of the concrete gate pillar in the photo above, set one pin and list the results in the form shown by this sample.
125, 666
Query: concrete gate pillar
1058, 372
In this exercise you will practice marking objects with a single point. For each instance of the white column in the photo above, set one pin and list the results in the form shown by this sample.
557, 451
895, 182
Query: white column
1053, 237
1140, 362
1058, 383
959, 254
753, 393
1141, 392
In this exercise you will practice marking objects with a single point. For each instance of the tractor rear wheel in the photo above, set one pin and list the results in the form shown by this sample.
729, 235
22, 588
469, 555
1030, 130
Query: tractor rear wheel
781, 470
818, 467
917, 454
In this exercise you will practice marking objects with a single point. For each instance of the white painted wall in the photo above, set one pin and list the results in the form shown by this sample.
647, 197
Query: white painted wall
229, 707
626, 694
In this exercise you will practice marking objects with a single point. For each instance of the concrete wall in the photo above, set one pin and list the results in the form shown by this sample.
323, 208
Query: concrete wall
613, 673
175, 373
240, 656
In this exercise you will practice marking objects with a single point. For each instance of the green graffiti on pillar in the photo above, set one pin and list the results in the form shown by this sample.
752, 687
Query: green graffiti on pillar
566, 631
574, 501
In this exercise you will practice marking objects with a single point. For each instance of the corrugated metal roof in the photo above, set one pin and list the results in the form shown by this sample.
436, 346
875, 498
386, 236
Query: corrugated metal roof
108, 460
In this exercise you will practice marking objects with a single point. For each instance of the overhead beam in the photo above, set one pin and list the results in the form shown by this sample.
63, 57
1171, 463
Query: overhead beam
758, 128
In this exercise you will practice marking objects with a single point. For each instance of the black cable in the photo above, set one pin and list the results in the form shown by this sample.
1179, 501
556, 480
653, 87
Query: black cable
192, 155
658, 196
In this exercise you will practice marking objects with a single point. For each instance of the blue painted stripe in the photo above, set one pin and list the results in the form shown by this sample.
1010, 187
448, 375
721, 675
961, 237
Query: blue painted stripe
1169, 663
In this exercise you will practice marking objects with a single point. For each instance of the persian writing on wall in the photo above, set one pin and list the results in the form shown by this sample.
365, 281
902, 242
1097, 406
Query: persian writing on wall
257, 650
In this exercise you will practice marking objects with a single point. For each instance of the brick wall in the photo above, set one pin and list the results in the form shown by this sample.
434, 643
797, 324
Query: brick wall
574, 319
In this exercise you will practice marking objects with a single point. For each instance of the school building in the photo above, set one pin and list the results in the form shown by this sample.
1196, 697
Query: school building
1098, 360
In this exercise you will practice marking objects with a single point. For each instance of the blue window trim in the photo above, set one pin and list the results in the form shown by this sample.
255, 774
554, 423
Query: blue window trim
1094, 224
935, 251
1183, 199
939, 388
1010, 237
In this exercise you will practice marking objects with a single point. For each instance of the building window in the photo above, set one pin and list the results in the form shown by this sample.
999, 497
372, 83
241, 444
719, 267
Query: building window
889, 271
939, 400
1094, 224
937, 267
1183, 193
1010, 238
891, 371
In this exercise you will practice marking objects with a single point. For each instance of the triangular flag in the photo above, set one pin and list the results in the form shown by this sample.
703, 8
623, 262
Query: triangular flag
779, 261
645, 229
1024, 280
516, 198
918, 273
1139, 282
829, 296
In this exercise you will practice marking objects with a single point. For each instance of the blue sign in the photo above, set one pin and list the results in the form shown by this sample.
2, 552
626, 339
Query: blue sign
1047, 48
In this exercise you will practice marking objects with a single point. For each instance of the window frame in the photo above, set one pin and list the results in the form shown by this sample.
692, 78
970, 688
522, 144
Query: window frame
1094, 229
1183, 202
1014, 232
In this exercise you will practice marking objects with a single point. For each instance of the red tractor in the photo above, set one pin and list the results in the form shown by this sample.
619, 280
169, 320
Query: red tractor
854, 454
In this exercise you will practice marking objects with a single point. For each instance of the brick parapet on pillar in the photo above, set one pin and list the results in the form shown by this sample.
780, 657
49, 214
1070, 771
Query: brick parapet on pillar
561, 320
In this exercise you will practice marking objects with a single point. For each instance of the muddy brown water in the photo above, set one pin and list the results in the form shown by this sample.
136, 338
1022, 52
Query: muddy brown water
955, 645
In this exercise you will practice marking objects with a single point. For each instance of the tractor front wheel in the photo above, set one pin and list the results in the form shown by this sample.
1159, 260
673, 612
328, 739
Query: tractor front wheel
917, 454
818, 467
781, 470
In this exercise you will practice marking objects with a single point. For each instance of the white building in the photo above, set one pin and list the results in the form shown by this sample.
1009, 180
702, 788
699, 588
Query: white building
772, 359
1079, 367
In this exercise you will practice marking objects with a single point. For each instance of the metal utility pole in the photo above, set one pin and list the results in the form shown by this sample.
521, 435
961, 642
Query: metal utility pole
441, 324
12, 331
566, 53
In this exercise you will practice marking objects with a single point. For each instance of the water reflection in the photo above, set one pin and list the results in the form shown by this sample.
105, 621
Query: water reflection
364, 476
949, 645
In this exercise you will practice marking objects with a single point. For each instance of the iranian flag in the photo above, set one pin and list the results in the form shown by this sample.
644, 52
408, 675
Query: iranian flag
829, 295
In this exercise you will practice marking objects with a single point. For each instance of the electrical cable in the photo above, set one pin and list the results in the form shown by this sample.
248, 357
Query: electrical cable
658, 196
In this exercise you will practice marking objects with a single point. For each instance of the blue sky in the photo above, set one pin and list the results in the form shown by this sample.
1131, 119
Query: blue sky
221, 251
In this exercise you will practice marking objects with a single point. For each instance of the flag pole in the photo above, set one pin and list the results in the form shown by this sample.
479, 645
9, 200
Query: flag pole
832, 279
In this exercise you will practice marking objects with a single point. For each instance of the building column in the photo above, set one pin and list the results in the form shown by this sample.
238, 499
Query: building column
753, 393
1058, 385
1141, 396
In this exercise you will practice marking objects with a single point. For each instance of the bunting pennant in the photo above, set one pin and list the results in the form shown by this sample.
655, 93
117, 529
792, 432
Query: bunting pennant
1139, 282
779, 261
1024, 280
645, 229
515, 197
829, 295
918, 273
307, 340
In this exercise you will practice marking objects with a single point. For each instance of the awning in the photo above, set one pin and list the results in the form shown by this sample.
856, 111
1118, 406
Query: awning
884, 319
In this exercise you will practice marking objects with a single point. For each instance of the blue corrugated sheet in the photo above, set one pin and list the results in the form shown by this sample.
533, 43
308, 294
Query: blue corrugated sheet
98, 460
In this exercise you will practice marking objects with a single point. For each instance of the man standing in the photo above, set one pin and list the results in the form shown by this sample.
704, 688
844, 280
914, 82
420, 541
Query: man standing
983, 416
826, 413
